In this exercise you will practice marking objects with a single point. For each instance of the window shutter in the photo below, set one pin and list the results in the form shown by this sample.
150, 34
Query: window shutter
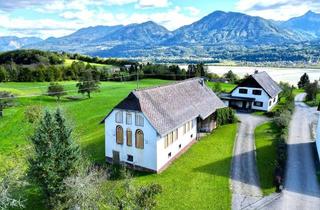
119, 134
139, 139
129, 137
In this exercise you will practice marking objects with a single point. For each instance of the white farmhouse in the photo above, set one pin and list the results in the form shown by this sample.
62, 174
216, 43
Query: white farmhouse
258, 92
153, 126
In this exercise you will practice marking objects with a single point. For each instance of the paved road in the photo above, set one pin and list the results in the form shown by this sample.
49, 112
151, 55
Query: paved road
302, 190
244, 175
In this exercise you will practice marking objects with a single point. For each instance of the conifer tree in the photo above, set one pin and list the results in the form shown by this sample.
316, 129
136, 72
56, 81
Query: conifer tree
55, 157
304, 81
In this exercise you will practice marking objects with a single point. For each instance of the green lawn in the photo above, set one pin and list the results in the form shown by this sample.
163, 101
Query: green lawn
226, 87
200, 178
68, 62
265, 136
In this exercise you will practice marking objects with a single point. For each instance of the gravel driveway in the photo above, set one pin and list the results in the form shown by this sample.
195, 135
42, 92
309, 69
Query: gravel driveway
302, 190
244, 174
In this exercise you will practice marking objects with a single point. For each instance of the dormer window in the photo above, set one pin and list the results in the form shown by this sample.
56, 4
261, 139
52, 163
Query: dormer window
119, 117
139, 120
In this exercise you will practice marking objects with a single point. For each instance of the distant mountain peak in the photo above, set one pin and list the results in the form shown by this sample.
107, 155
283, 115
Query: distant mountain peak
218, 28
309, 23
310, 12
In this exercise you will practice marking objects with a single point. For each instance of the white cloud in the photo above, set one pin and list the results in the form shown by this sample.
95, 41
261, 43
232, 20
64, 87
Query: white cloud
193, 11
277, 9
120, 2
153, 3
76, 16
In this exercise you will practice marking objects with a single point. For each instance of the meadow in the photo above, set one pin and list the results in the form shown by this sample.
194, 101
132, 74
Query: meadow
198, 179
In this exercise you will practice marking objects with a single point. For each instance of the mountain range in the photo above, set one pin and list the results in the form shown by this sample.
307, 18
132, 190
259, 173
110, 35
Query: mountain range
228, 30
13, 42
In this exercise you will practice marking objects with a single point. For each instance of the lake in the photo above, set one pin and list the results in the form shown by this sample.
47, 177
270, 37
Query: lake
290, 75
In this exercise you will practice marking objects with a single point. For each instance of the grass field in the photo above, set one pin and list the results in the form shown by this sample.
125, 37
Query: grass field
226, 87
68, 62
265, 136
200, 178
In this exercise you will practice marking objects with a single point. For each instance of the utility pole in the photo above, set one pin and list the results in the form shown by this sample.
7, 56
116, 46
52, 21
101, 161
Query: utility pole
137, 78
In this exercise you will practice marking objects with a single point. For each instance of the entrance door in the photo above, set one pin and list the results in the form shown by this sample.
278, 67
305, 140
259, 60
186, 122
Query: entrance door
116, 157
244, 105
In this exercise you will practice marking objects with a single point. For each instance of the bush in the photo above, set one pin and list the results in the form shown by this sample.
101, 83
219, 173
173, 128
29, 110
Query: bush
225, 116
282, 120
33, 113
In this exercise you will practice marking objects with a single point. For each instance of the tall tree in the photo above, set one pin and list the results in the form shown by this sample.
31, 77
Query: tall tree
231, 77
87, 83
56, 90
304, 81
3, 74
312, 89
6, 100
55, 157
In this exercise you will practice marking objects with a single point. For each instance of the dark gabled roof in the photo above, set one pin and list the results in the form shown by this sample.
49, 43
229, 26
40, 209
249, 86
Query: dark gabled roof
168, 107
264, 81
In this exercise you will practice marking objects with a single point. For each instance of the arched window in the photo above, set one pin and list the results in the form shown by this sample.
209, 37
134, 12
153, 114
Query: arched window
119, 134
139, 139
129, 137
119, 117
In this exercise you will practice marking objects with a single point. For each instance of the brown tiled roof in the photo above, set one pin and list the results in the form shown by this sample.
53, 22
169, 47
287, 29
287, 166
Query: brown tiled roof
168, 107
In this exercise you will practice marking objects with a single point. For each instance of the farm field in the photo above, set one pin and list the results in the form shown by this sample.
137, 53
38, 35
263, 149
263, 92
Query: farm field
68, 62
203, 172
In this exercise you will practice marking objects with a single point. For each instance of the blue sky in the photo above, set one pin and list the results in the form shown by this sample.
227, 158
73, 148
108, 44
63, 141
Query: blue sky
45, 18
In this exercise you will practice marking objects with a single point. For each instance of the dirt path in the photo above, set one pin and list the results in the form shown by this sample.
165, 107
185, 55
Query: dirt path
302, 190
244, 175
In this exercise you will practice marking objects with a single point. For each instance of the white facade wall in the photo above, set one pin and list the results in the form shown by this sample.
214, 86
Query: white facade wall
146, 157
154, 155
264, 97
174, 149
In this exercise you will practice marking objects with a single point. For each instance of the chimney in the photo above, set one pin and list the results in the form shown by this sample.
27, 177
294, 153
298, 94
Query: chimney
256, 71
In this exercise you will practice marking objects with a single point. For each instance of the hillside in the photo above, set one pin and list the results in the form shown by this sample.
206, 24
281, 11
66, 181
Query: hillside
13, 42
30, 57
222, 33
221, 27
308, 23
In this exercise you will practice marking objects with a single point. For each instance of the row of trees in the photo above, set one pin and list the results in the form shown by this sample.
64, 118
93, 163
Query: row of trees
67, 179
41, 73
31, 57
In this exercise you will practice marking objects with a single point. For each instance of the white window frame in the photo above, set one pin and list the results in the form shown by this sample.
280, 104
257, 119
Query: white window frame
127, 118
137, 118
117, 115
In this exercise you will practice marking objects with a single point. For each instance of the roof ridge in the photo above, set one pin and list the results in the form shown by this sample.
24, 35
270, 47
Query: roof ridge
166, 85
